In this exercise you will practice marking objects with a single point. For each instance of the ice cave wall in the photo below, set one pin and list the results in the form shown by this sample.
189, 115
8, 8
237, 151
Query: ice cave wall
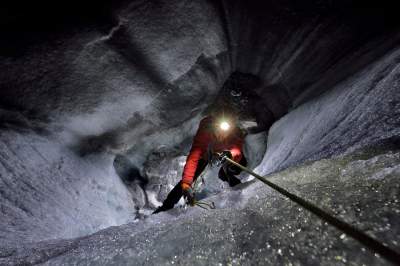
362, 110
70, 103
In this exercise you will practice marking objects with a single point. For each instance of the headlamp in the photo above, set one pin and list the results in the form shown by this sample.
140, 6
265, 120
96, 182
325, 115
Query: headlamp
224, 126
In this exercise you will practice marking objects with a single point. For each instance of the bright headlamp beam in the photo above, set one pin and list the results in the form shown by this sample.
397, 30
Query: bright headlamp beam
224, 126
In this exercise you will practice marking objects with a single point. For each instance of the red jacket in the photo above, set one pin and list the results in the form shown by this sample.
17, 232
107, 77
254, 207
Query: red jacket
204, 138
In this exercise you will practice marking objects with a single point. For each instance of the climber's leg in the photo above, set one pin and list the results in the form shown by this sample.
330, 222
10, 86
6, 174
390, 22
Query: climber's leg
229, 172
176, 193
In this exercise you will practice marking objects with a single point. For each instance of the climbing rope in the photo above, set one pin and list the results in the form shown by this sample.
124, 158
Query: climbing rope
346, 228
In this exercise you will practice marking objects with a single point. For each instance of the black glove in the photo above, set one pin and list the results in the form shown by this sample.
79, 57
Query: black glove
223, 155
219, 158
188, 194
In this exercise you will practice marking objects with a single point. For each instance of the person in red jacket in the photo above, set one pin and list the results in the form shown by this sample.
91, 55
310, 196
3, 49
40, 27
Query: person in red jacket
213, 136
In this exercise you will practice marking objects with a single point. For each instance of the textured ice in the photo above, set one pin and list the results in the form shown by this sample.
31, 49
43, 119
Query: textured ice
47, 191
360, 110
69, 107
258, 226
95, 123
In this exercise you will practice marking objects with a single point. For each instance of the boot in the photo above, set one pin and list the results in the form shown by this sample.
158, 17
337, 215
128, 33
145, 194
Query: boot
233, 181
228, 177
162, 208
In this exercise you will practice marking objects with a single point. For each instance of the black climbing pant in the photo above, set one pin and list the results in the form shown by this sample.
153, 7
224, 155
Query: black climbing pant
226, 174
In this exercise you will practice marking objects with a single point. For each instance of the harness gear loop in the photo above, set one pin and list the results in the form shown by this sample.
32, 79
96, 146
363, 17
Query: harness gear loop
374, 245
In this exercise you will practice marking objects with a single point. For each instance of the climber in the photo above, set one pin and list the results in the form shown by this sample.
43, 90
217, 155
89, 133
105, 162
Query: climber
217, 134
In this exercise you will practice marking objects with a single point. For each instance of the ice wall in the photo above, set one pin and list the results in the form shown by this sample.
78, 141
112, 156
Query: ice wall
71, 101
47, 191
361, 110
253, 224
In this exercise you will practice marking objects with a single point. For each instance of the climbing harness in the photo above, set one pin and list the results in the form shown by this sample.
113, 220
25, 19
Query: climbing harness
348, 229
